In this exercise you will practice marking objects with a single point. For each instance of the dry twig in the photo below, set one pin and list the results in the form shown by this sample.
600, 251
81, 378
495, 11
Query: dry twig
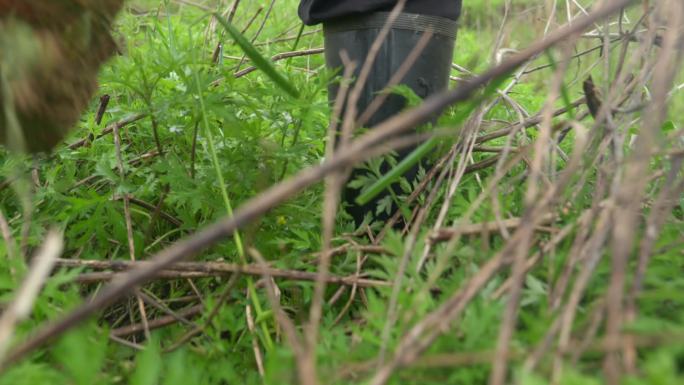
22, 305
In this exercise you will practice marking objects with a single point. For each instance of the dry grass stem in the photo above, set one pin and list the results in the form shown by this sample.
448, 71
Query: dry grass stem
20, 308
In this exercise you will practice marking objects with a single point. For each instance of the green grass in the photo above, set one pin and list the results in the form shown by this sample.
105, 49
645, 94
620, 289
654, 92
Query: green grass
254, 132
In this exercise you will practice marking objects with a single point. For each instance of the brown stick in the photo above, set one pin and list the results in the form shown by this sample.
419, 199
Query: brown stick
220, 302
154, 209
109, 129
129, 221
281, 56
446, 234
306, 368
527, 123
206, 269
157, 322
258, 32
366, 249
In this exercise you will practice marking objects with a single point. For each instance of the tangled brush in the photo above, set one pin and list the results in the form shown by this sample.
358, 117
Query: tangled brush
50, 55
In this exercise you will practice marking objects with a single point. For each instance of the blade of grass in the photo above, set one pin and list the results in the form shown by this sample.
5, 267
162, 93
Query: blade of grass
299, 37
399, 170
423, 150
259, 60
229, 208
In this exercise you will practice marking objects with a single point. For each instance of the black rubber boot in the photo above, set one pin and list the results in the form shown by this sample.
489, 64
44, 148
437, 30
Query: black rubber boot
429, 74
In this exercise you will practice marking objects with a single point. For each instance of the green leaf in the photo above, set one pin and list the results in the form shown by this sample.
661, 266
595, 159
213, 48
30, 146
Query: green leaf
103, 168
423, 150
385, 205
668, 126
407, 92
148, 366
81, 353
397, 171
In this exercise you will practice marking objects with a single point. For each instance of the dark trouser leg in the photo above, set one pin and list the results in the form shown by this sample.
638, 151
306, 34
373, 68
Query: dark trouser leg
428, 75
317, 11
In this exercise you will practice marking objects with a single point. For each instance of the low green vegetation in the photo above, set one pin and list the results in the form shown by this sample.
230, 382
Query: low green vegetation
204, 141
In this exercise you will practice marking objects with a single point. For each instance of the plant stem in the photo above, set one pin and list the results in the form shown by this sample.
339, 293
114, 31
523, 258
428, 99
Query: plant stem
229, 208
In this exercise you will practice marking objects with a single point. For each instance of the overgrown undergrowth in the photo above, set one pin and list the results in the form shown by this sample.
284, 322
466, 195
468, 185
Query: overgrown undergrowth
560, 226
